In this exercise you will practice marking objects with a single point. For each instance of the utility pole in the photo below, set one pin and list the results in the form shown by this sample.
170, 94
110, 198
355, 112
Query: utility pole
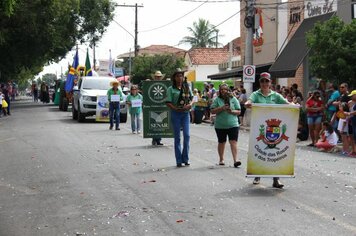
249, 24
94, 59
136, 28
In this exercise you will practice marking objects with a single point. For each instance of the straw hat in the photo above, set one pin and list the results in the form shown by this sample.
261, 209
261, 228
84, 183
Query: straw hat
178, 71
158, 74
112, 83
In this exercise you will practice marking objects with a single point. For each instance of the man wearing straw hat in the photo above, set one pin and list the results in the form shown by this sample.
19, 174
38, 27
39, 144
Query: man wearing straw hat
114, 97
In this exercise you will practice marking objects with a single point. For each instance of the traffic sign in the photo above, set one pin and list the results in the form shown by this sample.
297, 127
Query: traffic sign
249, 72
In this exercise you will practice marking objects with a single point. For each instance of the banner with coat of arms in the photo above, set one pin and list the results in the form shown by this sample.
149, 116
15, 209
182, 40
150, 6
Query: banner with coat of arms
273, 135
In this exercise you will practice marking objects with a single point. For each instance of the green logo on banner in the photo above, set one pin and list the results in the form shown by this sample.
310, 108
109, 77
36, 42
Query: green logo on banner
157, 92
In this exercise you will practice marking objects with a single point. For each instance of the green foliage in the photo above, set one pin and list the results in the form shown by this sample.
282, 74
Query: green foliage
333, 51
7, 7
203, 34
144, 66
43, 31
49, 78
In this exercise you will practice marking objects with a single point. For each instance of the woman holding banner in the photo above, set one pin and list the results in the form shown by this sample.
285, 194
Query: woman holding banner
267, 96
179, 100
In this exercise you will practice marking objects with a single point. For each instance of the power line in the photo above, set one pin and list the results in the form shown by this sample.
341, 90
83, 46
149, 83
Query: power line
173, 21
123, 28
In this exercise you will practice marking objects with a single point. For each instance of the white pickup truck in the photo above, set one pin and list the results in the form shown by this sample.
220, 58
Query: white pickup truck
85, 97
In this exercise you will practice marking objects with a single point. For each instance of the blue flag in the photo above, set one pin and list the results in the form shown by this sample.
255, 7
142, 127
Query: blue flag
72, 73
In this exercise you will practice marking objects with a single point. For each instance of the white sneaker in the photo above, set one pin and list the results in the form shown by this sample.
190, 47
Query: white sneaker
138, 132
133, 132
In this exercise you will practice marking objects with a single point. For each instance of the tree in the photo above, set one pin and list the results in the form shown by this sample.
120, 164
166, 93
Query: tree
7, 7
203, 34
333, 51
38, 32
144, 66
49, 78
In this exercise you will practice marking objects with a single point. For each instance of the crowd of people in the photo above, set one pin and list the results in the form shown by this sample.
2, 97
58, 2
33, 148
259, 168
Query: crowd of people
8, 92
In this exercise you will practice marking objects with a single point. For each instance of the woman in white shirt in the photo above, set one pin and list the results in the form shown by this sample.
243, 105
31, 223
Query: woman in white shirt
328, 138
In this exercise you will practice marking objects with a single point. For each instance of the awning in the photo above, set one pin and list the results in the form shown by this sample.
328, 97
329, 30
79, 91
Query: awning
296, 50
237, 72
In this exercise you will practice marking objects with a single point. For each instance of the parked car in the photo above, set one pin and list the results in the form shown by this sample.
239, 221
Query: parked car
85, 97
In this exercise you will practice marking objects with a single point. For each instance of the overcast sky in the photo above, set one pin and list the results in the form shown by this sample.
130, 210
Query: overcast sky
162, 22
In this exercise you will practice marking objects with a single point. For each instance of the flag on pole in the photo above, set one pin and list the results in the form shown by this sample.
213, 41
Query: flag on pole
88, 71
111, 65
71, 73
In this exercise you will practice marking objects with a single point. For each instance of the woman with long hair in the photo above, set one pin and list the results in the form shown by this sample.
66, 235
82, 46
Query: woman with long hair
179, 100
227, 108
314, 108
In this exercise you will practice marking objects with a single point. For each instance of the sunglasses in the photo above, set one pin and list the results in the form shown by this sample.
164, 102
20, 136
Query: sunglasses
264, 81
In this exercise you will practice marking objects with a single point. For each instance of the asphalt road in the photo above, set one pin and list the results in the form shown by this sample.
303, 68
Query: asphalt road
60, 177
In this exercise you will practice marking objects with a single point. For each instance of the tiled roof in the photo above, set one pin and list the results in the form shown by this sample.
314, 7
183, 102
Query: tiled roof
208, 56
154, 50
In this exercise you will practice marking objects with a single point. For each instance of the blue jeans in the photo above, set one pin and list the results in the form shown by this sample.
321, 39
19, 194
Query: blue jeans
114, 114
181, 120
135, 122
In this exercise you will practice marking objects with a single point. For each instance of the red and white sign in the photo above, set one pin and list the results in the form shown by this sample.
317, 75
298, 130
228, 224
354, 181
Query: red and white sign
249, 72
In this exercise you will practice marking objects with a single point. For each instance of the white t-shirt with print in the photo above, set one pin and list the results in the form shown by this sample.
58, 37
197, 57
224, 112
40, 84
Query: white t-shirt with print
331, 138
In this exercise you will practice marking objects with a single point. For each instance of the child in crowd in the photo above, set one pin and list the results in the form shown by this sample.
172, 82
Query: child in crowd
3, 104
328, 138
134, 100
343, 126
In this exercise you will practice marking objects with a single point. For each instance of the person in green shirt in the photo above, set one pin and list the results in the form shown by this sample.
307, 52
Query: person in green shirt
179, 100
114, 96
134, 100
266, 96
227, 108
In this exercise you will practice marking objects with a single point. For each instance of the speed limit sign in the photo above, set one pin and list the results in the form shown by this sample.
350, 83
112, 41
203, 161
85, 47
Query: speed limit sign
249, 72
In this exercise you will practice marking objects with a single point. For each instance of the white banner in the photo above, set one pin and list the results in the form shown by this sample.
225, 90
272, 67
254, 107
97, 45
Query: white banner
136, 103
273, 135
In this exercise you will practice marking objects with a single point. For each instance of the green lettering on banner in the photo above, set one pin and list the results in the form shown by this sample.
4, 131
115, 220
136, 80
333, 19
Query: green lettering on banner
156, 115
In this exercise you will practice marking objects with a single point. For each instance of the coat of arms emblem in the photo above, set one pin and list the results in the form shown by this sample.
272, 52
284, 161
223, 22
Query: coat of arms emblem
273, 134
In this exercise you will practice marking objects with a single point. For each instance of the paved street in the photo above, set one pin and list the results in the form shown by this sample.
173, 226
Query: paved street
61, 177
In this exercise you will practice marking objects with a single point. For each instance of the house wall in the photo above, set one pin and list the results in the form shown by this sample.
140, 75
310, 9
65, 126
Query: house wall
202, 71
343, 10
295, 18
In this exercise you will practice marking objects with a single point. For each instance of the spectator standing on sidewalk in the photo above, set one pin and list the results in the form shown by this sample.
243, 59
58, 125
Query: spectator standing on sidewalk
266, 96
242, 100
344, 98
179, 100
5, 92
352, 115
314, 108
334, 95
227, 108
135, 111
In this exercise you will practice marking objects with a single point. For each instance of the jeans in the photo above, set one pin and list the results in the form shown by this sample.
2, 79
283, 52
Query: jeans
135, 122
181, 120
114, 114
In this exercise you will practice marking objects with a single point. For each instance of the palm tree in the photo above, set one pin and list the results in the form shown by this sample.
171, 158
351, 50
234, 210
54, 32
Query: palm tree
203, 34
